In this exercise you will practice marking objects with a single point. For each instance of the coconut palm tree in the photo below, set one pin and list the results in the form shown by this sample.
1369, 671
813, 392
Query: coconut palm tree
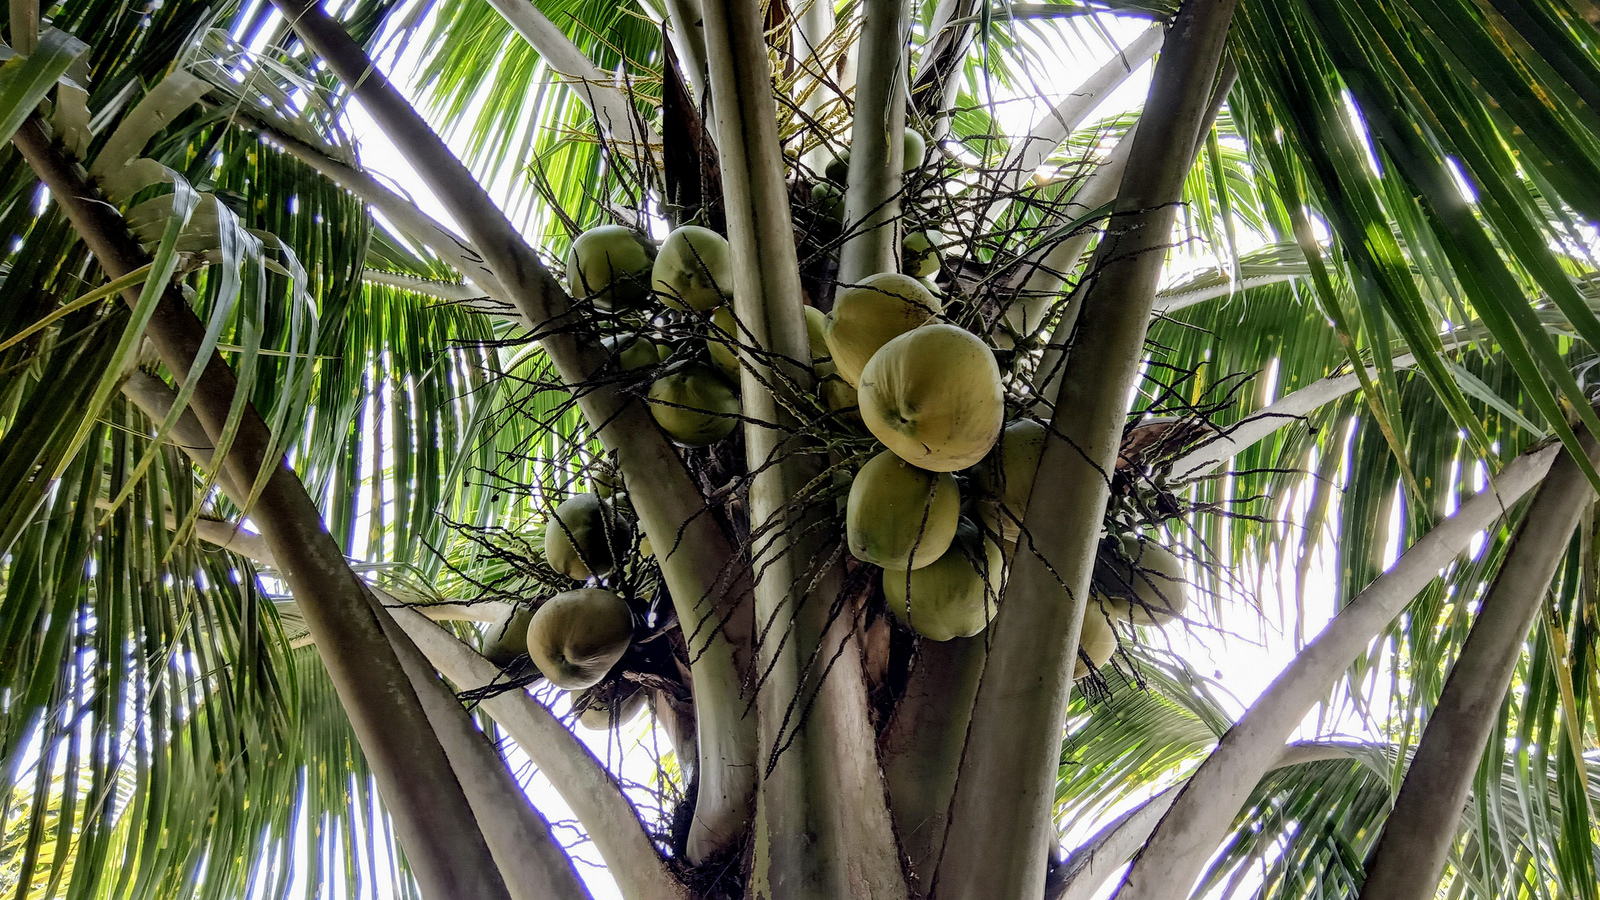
328, 502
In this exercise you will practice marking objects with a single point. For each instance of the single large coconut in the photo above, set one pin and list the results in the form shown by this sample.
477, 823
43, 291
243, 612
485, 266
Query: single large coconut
868, 315
1006, 474
836, 392
916, 148
694, 405
919, 254
576, 637
954, 597
507, 637
631, 351
817, 334
899, 516
611, 266
1145, 583
582, 537
933, 396
1098, 641
723, 344
694, 269
608, 706
827, 199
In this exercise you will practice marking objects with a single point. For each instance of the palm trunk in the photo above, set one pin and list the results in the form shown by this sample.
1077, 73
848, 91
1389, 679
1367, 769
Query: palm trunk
443, 842
922, 748
877, 148
708, 583
583, 781
1188, 836
822, 828
1410, 856
999, 848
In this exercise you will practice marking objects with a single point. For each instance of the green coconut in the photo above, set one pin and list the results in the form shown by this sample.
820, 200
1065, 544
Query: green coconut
919, 254
1006, 474
576, 637
838, 169
609, 706
899, 516
955, 596
870, 314
933, 396
506, 638
1098, 641
916, 147
724, 352
694, 269
836, 392
580, 538
828, 199
611, 266
694, 404
817, 334
1146, 585
631, 351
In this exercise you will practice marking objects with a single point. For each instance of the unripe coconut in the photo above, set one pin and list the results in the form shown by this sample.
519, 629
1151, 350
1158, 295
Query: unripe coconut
611, 265
828, 199
723, 352
933, 396
579, 538
611, 706
916, 147
507, 637
955, 596
817, 334
900, 516
631, 351
1150, 592
576, 637
919, 254
694, 405
836, 392
1006, 474
838, 169
694, 269
1098, 641
868, 315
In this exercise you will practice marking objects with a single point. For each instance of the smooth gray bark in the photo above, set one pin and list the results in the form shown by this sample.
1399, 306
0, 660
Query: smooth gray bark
999, 849
1189, 835
1410, 856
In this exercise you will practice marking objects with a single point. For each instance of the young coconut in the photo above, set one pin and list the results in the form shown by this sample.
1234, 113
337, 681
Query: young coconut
828, 199
507, 638
1098, 641
899, 516
817, 334
955, 596
836, 392
693, 269
611, 266
916, 148
576, 637
933, 396
870, 314
1006, 475
723, 352
611, 706
631, 351
1146, 584
919, 254
580, 537
694, 405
